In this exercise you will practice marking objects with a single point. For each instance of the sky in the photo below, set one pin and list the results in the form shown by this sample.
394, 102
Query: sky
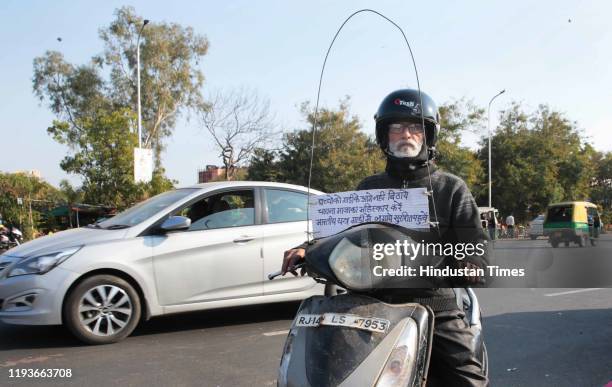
552, 52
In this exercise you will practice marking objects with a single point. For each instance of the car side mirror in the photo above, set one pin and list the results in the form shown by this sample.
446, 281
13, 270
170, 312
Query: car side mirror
175, 223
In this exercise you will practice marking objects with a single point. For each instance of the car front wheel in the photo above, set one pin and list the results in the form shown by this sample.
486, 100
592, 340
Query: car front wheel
102, 309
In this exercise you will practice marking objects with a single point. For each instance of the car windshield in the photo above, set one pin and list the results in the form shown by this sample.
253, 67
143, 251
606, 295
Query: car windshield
144, 210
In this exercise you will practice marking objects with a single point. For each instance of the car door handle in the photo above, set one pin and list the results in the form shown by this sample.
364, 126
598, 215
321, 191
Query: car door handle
244, 239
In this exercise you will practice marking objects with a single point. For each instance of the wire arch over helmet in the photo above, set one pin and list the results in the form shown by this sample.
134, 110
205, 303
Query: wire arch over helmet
430, 151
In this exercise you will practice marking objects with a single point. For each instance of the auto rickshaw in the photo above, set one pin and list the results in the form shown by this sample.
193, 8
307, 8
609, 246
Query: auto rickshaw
576, 222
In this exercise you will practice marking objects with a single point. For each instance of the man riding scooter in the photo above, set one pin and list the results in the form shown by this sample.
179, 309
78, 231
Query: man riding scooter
409, 147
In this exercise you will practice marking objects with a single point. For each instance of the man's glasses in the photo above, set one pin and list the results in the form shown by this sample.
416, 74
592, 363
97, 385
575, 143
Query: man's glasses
400, 127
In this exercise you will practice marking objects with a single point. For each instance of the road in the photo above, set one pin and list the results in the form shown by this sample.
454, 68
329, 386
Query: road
548, 267
535, 337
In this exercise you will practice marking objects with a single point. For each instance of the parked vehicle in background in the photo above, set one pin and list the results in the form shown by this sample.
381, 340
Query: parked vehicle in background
488, 213
10, 237
536, 227
201, 247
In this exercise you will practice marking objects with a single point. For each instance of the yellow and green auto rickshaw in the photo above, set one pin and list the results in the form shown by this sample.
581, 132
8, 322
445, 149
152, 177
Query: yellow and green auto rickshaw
576, 222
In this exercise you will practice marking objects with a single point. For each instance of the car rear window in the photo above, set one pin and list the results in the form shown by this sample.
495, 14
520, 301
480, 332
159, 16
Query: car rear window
560, 214
285, 206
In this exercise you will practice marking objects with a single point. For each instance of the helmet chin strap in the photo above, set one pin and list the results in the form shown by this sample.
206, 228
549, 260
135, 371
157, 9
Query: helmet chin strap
407, 168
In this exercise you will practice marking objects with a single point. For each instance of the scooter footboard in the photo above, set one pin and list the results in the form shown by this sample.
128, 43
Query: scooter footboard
355, 340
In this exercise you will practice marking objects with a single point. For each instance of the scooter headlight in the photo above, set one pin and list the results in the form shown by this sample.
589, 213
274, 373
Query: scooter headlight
400, 369
350, 266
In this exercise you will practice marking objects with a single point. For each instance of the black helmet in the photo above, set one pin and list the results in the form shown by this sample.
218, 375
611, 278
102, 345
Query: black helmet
405, 104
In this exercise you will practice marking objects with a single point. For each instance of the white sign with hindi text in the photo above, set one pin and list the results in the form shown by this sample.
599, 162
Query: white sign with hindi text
143, 165
332, 213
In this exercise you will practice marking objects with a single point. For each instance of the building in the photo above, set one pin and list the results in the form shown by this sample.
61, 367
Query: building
210, 173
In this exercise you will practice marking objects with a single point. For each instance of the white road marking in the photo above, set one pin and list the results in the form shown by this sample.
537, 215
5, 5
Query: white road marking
572, 292
276, 333
29, 360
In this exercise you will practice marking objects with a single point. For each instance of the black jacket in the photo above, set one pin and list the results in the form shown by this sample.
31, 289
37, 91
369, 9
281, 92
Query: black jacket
455, 211
455, 208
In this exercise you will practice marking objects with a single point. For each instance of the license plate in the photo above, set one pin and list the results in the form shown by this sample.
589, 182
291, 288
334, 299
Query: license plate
371, 324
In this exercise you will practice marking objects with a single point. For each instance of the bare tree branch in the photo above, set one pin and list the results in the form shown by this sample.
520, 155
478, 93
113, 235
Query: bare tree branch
239, 121
65, 104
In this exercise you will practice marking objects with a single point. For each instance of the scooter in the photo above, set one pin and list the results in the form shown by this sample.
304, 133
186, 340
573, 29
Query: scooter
10, 238
363, 337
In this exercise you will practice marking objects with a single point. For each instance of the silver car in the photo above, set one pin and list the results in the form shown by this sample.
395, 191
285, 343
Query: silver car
536, 227
201, 247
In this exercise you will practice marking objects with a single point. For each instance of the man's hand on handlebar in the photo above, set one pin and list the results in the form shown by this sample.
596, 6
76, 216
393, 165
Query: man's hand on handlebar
291, 259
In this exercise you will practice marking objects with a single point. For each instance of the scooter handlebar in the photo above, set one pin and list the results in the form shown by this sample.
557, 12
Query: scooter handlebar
271, 276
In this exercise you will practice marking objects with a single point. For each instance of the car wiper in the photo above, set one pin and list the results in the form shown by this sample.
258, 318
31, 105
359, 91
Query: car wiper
93, 225
117, 226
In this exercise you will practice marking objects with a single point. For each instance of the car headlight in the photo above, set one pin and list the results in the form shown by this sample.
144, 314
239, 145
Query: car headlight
349, 266
42, 263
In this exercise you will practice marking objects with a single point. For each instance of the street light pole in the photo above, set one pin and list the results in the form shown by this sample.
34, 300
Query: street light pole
489, 130
144, 23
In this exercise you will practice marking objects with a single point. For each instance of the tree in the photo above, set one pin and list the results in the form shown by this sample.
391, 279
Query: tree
73, 92
239, 122
71, 195
601, 186
456, 117
170, 79
103, 92
343, 155
537, 159
264, 166
102, 155
18, 194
